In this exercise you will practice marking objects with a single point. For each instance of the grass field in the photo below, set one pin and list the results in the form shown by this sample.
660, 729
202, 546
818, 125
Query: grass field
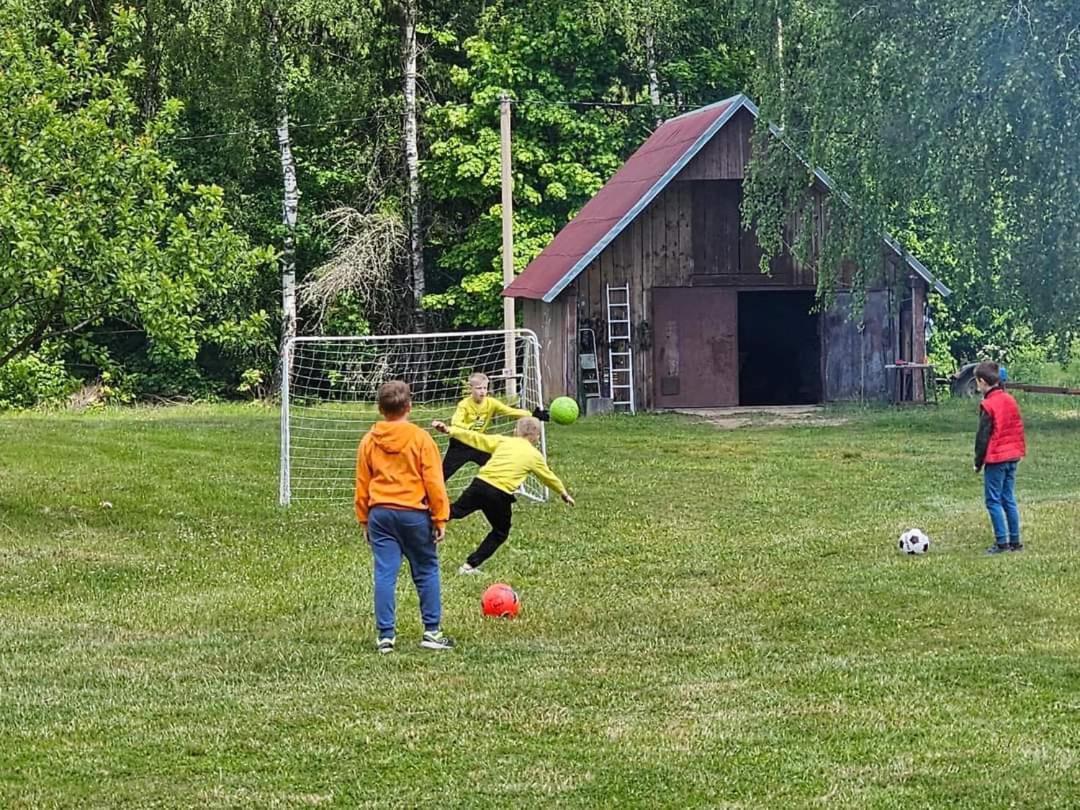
723, 621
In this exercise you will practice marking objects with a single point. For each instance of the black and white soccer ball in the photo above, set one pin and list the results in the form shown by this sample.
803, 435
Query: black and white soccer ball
913, 541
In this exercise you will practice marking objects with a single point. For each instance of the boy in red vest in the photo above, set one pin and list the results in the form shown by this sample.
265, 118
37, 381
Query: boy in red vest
999, 446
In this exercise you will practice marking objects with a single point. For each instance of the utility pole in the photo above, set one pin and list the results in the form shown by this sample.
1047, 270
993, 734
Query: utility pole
509, 321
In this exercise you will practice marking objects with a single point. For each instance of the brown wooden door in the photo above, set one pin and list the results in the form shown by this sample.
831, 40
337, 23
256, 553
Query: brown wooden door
696, 347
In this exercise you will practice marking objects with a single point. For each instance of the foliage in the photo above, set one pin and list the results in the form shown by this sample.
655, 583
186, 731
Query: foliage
96, 225
34, 378
974, 107
546, 56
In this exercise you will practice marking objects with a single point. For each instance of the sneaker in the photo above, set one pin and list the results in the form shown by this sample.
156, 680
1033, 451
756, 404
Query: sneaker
1016, 546
997, 549
467, 570
385, 645
436, 640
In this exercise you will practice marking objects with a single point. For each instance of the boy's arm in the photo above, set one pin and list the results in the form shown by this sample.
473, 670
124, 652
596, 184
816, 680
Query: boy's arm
503, 409
542, 471
481, 441
434, 486
363, 481
982, 437
460, 418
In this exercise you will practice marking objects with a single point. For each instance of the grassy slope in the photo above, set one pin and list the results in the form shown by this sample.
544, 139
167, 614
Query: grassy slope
721, 622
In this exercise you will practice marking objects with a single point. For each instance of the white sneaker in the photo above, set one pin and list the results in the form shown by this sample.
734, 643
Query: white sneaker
436, 640
385, 645
468, 569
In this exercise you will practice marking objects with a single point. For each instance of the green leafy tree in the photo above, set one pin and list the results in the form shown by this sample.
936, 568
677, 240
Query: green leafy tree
96, 225
957, 120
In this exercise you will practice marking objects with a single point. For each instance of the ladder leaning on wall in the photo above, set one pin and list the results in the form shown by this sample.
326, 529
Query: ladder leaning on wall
620, 350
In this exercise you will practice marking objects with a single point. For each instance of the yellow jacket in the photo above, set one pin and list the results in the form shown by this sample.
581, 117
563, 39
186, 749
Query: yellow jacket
471, 416
398, 464
512, 458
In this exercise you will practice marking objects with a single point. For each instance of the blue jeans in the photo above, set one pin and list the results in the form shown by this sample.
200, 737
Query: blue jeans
394, 533
999, 481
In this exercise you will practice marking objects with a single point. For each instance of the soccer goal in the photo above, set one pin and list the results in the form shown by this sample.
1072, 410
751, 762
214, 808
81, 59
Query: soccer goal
330, 384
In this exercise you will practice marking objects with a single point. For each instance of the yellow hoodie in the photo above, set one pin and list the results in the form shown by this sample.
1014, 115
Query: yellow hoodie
398, 464
471, 415
512, 458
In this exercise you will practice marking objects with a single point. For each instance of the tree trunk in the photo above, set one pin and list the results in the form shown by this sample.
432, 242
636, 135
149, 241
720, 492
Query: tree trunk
412, 160
654, 79
151, 89
291, 196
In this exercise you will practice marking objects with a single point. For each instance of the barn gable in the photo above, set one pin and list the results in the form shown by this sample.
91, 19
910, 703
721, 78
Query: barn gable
684, 149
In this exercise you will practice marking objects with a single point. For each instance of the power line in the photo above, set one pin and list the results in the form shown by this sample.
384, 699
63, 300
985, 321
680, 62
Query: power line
384, 116
292, 126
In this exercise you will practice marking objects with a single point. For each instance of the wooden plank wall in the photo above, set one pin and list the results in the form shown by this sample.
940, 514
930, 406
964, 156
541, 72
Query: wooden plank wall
856, 348
691, 235
556, 329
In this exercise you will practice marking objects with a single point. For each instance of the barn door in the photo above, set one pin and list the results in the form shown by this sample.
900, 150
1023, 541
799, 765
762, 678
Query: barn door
696, 349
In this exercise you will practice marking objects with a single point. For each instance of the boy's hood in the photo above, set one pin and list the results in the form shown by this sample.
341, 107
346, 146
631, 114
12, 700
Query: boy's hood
394, 437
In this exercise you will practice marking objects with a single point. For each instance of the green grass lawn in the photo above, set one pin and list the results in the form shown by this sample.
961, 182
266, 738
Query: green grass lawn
723, 621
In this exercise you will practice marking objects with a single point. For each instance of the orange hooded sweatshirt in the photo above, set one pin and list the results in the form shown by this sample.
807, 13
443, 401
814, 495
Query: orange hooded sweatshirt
398, 464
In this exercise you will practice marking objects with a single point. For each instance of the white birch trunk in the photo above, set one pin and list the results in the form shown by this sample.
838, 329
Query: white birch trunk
412, 159
291, 195
650, 68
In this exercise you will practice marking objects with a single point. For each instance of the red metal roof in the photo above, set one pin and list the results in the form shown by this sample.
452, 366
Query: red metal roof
623, 197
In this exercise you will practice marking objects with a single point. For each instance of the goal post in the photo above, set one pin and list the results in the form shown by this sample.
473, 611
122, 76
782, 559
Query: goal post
329, 389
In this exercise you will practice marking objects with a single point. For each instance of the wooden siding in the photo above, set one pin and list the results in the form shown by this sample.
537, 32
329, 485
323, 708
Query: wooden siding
691, 235
556, 329
857, 349
726, 155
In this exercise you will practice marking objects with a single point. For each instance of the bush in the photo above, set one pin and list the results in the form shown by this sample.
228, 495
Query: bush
34, 379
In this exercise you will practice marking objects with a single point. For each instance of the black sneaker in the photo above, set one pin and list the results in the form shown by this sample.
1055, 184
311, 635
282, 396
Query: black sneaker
385, 645
1016, 546
997, 549
436, 640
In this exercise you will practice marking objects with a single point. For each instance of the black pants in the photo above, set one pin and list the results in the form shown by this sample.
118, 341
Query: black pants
458, 454
495, 504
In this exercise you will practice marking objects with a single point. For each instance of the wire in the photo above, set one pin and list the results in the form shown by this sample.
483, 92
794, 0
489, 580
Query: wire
384, 116
292, 126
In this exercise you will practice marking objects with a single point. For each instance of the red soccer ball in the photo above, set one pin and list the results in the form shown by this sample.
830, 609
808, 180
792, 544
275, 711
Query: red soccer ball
501, 601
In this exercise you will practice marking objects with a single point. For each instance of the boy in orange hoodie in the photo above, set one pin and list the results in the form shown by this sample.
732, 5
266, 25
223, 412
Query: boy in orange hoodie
401, 503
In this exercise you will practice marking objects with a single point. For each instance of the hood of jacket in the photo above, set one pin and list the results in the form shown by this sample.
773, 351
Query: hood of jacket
395, 437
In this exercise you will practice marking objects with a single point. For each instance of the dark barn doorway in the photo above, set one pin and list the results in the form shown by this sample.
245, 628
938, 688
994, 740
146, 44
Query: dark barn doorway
779, 349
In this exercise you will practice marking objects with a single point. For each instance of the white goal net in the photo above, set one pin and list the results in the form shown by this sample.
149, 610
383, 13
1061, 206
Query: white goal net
329, 390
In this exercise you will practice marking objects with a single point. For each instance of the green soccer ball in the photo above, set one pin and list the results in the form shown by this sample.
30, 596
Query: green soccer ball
564, 411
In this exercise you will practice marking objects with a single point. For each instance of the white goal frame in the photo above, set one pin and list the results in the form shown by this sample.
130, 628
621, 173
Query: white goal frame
319, 434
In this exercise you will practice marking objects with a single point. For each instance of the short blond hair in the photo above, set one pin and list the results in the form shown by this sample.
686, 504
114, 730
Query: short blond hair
527, 426
478, 377
394, 398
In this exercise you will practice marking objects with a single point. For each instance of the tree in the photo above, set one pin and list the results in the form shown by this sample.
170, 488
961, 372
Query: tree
957, 119
581, 106
95, 223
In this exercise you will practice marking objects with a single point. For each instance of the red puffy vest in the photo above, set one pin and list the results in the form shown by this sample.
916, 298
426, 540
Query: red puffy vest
1007, 441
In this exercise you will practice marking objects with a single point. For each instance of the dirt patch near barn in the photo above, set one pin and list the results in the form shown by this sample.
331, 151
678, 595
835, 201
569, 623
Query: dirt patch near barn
765, 416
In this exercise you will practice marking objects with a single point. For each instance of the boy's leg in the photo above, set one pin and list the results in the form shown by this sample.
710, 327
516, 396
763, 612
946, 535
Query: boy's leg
468, 502
993, 483
418, 545
456, 456
386, 551
1008, 501
496, 509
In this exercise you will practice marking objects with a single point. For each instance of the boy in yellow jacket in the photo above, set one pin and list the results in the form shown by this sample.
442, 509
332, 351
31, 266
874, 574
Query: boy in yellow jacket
476, 413
492, 491
401, 502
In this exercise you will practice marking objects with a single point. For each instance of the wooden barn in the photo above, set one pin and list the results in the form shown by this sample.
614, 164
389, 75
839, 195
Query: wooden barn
652, 294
